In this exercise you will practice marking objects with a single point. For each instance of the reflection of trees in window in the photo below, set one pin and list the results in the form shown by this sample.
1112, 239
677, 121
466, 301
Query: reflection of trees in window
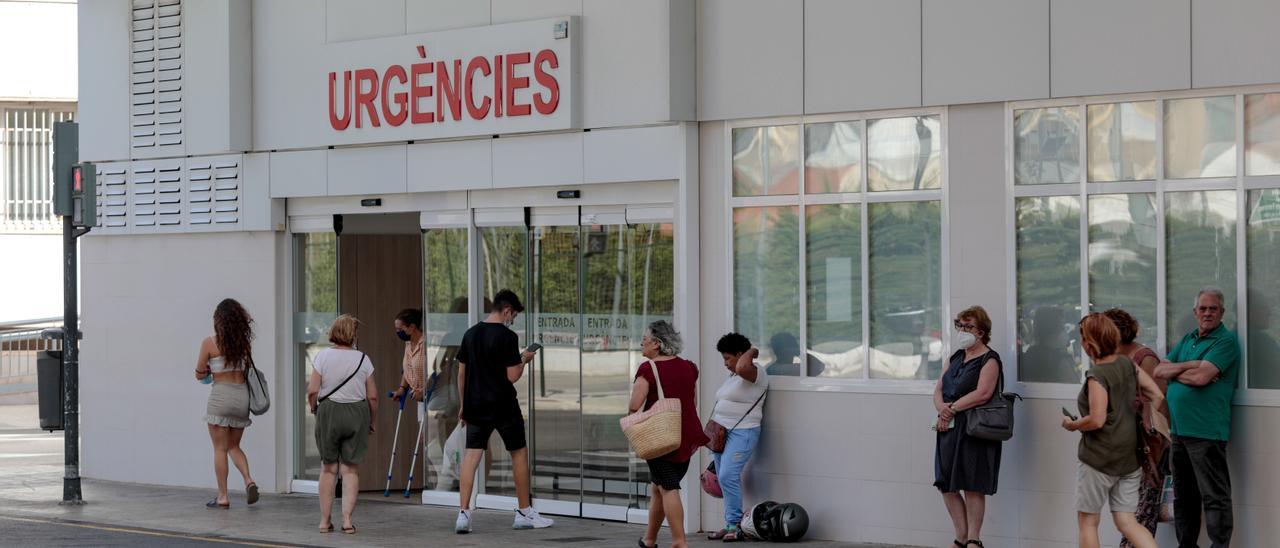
1263, 263
833, 256
1200, 250
766, 273
906, 272
1048, 269
1122, 257
320, 273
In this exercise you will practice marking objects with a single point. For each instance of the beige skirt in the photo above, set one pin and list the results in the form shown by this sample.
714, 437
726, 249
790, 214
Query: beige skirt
228, 405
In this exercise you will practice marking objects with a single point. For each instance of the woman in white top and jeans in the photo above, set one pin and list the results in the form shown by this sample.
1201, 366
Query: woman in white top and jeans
739, 408
345, 401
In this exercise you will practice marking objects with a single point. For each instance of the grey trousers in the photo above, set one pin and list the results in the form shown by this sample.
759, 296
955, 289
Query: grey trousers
1201, 479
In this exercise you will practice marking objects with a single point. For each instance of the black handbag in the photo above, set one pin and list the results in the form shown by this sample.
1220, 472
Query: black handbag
993, 420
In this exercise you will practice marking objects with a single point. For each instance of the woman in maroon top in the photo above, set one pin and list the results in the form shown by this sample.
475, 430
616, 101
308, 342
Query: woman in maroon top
679, 379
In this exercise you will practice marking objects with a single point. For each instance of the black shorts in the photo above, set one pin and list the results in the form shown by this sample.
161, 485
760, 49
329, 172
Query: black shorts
511, 430
667, 474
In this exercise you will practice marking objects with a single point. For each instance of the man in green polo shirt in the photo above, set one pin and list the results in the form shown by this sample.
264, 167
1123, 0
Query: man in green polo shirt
1201, 371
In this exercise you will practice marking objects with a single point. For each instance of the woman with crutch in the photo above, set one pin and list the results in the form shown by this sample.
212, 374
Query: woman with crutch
408, 326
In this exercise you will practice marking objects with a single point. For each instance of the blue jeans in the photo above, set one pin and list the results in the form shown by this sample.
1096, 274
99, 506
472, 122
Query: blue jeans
738, 445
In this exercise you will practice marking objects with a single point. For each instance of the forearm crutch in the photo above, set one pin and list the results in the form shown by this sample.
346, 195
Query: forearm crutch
386, 491
422, 426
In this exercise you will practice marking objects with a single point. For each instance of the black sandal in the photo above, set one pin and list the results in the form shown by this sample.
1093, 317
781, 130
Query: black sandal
958, 544
978, 542
251, 493
214, 504
643, 545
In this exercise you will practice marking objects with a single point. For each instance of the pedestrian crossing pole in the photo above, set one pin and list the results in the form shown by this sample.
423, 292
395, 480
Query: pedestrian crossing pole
74, 200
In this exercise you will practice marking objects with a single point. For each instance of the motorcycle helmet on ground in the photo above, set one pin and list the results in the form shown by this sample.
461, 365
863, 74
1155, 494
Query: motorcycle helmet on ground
752, 519
786, 522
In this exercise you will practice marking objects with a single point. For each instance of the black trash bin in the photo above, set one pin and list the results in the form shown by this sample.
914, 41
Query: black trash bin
49, 379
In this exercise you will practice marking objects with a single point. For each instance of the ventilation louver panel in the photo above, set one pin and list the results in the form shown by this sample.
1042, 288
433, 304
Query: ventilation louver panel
112, 191
157, 62
156, 194
213, 192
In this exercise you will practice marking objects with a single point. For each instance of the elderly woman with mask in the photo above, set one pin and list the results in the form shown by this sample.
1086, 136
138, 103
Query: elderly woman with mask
966, 469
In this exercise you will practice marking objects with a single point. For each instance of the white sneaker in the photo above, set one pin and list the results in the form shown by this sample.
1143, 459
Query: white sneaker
463, 525
529, 518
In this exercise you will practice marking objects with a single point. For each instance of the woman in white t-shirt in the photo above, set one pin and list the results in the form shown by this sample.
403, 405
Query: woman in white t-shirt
344, 400
739, 408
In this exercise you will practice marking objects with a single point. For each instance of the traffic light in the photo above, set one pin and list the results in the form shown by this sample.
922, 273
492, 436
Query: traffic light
73, 183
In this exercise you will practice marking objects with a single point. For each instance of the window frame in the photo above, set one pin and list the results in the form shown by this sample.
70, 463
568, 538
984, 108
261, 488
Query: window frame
1159, 186
863, 198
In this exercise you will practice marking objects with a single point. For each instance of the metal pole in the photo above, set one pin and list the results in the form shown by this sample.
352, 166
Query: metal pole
71, 494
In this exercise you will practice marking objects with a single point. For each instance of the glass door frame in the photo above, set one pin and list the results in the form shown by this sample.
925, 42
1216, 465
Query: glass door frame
642, 206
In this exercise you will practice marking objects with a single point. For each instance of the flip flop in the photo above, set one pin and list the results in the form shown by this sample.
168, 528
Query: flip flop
349, 530
252, 491
328, 530
214, 504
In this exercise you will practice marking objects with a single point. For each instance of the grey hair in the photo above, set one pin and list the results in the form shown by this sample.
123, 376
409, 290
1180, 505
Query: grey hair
1210, 290
668, 339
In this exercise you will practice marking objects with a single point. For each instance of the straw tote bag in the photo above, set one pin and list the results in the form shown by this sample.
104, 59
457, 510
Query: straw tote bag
654, 432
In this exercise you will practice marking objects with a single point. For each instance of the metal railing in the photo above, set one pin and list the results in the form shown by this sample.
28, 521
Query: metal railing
26, 165
18, 351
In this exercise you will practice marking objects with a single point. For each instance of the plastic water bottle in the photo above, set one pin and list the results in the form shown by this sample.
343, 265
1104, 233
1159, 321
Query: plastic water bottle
207, 379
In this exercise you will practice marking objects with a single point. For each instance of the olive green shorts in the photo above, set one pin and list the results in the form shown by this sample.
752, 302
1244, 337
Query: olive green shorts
342, 431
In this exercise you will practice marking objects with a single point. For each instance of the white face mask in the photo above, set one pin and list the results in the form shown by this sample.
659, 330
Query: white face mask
964, 339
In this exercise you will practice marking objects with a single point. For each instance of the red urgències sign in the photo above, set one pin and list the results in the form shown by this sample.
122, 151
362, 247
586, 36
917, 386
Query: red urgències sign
432, 92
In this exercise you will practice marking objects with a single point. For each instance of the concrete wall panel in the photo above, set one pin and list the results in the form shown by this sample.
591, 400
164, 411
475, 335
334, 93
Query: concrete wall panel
540, 160
104, 72
637, 154
1101, 47
506, 11
368, 170
985, 50
750, 58
298, 174
141, 279
347, 20
433, 15
624, 62
1234, 42
861, 55
452, 165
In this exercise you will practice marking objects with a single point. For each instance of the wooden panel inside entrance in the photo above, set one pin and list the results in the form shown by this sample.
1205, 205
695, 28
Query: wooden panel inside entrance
380, 275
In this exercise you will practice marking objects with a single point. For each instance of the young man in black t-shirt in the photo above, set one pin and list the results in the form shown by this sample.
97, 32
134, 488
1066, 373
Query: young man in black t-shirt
490, 363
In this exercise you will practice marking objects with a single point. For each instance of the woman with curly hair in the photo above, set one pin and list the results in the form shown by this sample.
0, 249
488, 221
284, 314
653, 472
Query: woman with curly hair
223, 359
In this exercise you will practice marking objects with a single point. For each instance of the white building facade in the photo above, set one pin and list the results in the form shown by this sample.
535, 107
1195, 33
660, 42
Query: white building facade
833, 179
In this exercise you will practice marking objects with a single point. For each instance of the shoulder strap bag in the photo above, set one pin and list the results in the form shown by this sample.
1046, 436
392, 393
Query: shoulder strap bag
259, 395
344, 382
654, 432
716, 433
993, 421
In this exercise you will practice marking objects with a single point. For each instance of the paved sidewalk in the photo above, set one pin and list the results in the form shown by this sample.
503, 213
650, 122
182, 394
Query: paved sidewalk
121, 514
287, 520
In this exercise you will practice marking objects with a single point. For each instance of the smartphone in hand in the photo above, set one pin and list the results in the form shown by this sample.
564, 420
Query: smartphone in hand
1068, 414
533, 347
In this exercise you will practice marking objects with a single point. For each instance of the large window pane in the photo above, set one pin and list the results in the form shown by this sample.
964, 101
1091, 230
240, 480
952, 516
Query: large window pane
766, 160
1200, 250
1264, 301
445, 320
1122, 141
833, 157
1200, 137
833, 247
906, 290
1262, 134
315, 308
904, 153
1046, 145
766, 283
1048, 256
1122, 257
